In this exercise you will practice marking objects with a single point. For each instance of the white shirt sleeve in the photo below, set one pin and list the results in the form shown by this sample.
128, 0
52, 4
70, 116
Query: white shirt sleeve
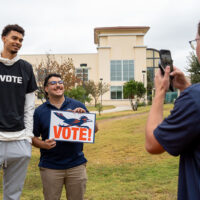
29, 108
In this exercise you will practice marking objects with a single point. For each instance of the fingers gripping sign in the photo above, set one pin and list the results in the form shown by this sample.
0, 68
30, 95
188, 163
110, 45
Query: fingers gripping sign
79, 110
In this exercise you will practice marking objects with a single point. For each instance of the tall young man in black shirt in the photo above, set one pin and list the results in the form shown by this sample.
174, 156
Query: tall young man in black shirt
17, 86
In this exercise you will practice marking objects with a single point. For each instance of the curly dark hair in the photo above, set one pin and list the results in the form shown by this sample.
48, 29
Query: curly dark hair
12, 27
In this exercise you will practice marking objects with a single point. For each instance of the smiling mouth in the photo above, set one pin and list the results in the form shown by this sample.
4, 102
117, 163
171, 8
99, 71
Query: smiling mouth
16, 46
58, 90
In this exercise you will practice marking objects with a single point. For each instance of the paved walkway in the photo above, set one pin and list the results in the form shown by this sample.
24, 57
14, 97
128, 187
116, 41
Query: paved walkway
116, 109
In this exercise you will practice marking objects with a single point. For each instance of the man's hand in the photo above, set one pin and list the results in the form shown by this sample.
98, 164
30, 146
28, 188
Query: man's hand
79, 110
162, 82
179, 81
49, 143
156, 113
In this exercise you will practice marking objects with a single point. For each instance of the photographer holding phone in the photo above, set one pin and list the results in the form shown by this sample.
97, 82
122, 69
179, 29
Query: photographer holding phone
179, 133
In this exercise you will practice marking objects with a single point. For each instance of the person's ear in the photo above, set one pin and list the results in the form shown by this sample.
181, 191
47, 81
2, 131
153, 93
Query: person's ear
3, 38
46, 89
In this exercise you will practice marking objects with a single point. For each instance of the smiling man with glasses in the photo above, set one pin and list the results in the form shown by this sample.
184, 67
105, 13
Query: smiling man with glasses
179, 133
61, 163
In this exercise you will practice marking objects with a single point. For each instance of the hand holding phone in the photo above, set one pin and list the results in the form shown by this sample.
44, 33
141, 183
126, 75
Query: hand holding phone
166, 60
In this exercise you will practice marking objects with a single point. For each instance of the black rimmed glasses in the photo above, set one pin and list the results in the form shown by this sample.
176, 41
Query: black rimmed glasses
193, 43
55, 82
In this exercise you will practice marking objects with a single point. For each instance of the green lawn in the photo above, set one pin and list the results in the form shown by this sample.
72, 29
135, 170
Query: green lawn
118, 166
93, 108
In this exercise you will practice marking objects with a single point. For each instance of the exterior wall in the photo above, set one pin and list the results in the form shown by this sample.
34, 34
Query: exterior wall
104, 68
122, 47
140, 63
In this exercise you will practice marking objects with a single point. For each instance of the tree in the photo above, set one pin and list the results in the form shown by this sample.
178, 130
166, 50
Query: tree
193, 68
95, 89
140, 89
99, 108
66, 69
133, 90
150, 85
79, 94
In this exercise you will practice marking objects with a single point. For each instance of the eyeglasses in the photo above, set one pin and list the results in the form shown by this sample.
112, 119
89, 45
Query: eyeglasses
55, 82
193, 43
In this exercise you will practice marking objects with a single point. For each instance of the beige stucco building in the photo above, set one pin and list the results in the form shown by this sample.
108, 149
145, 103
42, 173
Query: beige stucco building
121, 56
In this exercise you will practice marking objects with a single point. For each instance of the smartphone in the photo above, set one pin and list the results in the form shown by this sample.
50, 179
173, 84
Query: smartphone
166, 60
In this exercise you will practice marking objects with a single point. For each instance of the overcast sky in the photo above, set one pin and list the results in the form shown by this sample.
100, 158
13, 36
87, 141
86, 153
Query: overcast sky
67, 26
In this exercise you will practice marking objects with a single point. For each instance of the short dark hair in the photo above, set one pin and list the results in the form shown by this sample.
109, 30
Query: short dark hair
49, 76
47, 79
199, 28
12, 27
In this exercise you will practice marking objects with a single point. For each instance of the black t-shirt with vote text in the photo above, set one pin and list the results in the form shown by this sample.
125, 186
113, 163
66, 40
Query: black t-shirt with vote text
15, 82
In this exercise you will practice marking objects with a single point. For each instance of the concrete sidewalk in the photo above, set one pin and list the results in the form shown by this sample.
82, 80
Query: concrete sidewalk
116, 109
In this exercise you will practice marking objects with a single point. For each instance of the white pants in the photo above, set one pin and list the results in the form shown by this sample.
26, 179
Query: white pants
14, 159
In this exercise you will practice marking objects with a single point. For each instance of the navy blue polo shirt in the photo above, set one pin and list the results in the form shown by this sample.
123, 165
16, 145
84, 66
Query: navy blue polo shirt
66, 154
179, 134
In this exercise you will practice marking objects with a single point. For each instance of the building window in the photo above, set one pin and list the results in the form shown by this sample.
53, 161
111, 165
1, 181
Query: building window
152, 62
82, 72
116, 70
122, 70
116, 92
128, 70
151, 73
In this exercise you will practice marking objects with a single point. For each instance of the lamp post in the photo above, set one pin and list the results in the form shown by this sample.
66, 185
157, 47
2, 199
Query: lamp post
83, 66
143, 72
101, 79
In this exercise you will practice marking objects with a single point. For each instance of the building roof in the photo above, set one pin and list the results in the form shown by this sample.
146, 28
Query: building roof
119, 29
